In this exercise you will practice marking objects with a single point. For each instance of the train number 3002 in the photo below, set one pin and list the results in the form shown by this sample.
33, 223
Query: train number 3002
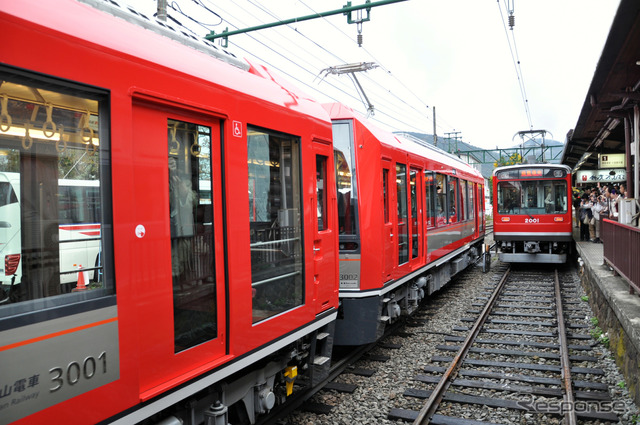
76, 371
532, 220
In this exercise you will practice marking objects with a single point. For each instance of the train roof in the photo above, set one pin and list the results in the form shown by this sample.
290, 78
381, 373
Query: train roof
539, 165
338, 111
105, 25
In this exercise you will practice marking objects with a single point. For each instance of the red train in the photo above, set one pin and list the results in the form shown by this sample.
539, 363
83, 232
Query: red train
410, 217
219, 285
532, 212
212, 268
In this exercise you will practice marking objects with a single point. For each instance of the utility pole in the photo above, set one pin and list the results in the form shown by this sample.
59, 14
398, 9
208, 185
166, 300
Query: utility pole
455, 137
435, 137
162, 10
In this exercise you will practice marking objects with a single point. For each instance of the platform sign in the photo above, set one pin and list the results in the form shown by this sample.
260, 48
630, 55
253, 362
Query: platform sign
612, 160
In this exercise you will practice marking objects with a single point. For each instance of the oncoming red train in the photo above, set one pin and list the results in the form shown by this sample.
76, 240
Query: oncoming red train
532, 212
218, 288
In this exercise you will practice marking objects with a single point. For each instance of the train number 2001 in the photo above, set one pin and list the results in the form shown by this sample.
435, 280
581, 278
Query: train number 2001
532, 220
75, 371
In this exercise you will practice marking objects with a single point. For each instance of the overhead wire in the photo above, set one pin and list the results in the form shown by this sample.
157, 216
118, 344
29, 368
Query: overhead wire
393, 113
516, 62
175, 6
377, 61
289, 56
394, 77
274, 16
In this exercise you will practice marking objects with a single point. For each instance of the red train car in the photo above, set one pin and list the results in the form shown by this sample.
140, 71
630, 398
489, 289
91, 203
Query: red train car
410, 217
217, 271
532, 212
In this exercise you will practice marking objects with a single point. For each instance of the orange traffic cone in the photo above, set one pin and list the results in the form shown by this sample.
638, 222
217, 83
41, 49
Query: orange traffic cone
80, 286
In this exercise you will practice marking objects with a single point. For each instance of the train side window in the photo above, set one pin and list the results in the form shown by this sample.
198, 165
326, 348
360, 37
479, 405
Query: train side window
275, 202
470, 209
191, 224
441, 199
415, 228
430, 189
321, 198
481, 207
385, 193
56, 144
464, 201
452, 197
403, 214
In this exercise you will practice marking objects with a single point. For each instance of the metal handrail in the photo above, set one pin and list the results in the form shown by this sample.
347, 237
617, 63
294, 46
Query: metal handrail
621, 250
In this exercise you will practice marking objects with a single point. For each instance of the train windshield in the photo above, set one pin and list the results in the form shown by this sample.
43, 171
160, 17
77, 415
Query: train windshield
532, 197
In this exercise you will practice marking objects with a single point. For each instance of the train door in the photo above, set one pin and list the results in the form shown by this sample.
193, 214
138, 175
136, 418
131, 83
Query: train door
324, 249
388, 257
415, 197
402, 224
481, 213
177, 257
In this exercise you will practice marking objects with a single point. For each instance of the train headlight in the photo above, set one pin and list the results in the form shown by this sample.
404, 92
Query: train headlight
505, 219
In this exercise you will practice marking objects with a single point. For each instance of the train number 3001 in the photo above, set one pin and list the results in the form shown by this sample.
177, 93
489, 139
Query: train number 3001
75, 371
532, 220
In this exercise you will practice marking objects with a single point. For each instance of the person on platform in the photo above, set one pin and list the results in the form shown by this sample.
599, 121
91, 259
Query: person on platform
595, 210
576, 208
585, 217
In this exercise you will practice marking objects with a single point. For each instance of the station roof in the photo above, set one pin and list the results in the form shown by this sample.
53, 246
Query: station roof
613, 92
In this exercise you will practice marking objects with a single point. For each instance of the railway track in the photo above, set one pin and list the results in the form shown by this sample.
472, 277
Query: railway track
521, 353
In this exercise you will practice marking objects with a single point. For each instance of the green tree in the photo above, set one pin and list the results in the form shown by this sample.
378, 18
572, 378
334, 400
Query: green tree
514, 158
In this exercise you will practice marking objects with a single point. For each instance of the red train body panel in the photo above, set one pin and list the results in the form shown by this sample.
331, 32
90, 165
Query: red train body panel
532, 212
154, 95
395, 244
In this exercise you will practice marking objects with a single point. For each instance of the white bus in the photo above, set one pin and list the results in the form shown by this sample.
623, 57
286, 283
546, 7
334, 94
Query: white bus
79, 229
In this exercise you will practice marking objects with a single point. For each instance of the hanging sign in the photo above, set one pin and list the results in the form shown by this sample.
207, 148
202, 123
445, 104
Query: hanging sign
611, 175
612, 160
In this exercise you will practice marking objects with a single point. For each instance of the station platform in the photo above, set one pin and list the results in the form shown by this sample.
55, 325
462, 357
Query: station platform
617, 310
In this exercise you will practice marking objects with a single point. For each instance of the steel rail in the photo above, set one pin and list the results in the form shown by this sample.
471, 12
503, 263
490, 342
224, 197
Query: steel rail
568, 397
434, 400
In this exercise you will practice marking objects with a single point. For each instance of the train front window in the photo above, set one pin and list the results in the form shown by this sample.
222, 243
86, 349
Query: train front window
275, 202
191, 226
54, 165
531, 197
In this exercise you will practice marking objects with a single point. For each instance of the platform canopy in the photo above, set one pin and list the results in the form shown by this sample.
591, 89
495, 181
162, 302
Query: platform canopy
612, 95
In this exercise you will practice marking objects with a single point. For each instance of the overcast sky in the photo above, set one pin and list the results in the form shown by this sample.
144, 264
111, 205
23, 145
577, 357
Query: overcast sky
456, 56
